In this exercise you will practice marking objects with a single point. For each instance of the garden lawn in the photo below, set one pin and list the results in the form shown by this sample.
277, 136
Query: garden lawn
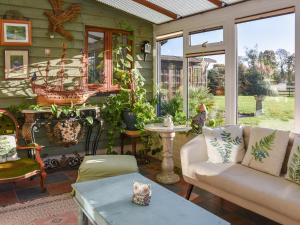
278, 111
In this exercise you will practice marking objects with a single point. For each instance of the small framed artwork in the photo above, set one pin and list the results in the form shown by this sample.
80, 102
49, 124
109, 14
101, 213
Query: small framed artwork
16, 64
16, 33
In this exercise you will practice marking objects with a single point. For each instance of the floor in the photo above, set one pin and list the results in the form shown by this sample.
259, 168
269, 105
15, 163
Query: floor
59, 182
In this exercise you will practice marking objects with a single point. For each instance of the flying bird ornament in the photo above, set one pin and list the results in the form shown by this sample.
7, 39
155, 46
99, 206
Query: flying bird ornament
58, 16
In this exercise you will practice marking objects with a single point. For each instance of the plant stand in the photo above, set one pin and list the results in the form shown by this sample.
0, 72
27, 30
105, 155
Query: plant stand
34, 119
134, 137
167, 175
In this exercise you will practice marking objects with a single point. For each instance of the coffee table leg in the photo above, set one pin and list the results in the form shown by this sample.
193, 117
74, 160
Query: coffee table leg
167, 175
82, 218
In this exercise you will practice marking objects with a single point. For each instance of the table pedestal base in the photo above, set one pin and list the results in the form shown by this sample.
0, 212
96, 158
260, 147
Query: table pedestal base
167, 134
167, 175
167, 178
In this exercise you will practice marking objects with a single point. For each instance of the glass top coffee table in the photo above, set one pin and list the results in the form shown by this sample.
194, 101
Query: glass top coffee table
108, 202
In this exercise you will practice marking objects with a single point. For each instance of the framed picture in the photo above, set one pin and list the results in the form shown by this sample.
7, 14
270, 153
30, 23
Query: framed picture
16, 33
16, 64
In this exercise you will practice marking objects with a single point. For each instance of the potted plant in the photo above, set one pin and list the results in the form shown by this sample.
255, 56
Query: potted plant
129, 108
65, 125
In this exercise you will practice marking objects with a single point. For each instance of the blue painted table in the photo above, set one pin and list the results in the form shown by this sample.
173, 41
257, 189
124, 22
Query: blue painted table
108, 202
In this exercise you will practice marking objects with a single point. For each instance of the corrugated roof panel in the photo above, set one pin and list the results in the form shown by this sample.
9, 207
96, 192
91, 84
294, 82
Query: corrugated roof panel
232, 1
137, 9
186, 7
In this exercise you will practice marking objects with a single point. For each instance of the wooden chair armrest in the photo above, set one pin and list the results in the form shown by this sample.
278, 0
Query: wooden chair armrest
36, 147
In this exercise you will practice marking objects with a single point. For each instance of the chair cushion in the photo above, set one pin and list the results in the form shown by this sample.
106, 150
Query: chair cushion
8, 151
266, 150
14, 169
224, 144
101, 166
275, 193
293, 168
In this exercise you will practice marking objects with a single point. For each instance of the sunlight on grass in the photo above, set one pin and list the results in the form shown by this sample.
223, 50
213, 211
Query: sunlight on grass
278, 111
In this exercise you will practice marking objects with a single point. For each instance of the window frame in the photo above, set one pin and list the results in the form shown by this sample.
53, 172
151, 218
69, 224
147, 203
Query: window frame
227, 17
209, 29
108, 85
257, 17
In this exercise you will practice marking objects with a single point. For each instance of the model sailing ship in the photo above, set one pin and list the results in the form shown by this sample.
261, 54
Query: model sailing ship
55, 92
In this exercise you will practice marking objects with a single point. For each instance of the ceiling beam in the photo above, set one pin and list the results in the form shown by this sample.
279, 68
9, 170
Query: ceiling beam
218, 3
157, 8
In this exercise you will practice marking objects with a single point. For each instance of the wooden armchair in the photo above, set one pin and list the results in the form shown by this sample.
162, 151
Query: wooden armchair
23, 168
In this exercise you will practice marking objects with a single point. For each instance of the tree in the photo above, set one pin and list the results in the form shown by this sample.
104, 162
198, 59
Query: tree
290, 69
267, 63
282, 56
254, 80
216, 78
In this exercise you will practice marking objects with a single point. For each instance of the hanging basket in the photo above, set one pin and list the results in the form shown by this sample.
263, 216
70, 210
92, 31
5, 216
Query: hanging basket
65, 132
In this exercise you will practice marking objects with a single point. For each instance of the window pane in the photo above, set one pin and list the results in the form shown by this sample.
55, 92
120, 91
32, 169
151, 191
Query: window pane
266, 71
121, 51
170, 76
206, 37
96, 57
207, 86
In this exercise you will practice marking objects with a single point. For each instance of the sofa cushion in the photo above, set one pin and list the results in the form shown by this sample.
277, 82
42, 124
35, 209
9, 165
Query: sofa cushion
224, 144
275, 193
8, 150
287, 154
293, 168
266, 150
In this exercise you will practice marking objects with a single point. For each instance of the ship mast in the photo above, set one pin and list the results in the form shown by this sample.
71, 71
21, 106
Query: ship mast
61, 72
83, 70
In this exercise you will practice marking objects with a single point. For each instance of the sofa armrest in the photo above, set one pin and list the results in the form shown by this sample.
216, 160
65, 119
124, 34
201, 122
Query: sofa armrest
192, 152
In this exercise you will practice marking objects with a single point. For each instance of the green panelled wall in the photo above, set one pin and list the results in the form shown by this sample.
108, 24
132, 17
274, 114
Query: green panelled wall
93, 13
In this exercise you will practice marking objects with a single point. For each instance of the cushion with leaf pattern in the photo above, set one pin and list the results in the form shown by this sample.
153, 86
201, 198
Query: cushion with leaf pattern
266, 150
293, 167
224, 144
8, 151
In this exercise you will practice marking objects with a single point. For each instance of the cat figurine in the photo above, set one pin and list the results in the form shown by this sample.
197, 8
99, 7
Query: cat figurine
141, 193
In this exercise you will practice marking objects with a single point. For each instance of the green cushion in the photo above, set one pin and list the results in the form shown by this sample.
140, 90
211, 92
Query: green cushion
101, 166
14, 169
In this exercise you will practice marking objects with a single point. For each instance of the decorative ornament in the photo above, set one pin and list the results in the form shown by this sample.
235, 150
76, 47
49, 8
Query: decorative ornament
58, 16
168, 122
141, 193
198, 121
55, 92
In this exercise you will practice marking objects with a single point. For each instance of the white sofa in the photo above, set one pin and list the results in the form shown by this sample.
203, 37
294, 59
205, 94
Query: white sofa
271, 196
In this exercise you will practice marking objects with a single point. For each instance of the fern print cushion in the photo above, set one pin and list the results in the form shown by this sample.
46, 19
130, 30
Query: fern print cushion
224, 144
8, 150
293, 167
266, 150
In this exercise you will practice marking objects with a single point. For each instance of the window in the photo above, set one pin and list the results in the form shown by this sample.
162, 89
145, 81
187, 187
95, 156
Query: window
170, 76
266, 72
96, 57
107, 53
208, 36
207, 85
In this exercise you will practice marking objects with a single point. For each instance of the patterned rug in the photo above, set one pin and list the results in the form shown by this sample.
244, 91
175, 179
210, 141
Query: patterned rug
58, 210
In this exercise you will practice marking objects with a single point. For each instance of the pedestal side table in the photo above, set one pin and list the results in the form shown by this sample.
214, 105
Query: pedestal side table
167, 175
